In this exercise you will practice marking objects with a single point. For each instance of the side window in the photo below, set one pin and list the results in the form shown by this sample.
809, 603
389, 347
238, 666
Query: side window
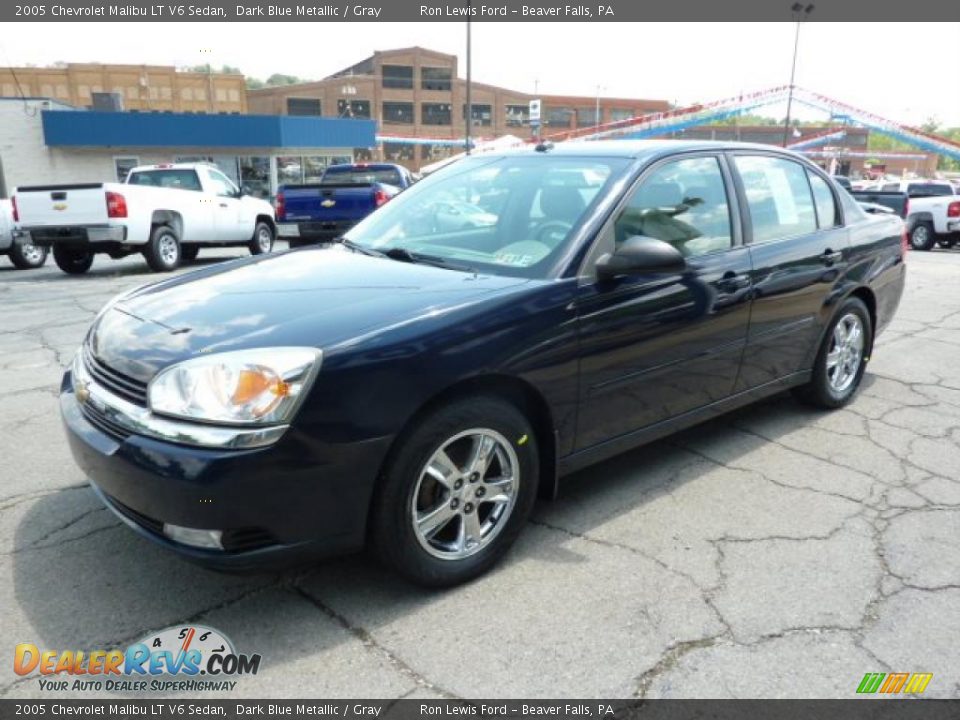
219, 184
823, 197
683, 203
778, 196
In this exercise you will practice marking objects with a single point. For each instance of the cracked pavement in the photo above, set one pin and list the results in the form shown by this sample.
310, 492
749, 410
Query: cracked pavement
776, 552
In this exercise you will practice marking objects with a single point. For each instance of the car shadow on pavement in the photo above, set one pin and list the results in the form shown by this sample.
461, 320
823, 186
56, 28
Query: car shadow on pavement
84, 580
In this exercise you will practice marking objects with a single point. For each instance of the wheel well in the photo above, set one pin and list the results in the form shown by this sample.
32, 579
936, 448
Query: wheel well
269, 221
168, 217
515, 391
869, 299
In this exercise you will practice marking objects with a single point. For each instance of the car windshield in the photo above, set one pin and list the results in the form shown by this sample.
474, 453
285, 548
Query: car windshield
507, 215
362, 176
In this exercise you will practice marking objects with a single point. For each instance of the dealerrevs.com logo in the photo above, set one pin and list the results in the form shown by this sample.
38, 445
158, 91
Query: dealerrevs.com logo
894, 683
179, 658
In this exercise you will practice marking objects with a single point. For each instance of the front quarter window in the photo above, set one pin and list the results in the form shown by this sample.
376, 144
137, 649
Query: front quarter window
507, 215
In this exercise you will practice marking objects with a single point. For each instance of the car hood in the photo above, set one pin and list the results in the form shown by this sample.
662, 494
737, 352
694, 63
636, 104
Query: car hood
315, 297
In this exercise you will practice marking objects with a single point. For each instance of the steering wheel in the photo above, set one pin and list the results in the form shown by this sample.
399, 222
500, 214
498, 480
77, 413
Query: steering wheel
552, 232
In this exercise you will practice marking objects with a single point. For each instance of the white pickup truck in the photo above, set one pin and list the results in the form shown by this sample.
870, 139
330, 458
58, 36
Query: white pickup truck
166, 212
934, 211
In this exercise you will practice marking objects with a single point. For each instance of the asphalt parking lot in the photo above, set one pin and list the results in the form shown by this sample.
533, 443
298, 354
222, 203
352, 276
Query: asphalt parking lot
777, 552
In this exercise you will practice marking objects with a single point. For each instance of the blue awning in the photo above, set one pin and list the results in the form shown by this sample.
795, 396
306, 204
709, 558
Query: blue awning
64, 128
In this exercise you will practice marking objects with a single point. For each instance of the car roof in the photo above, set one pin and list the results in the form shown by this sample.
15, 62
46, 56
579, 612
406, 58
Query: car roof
636, 149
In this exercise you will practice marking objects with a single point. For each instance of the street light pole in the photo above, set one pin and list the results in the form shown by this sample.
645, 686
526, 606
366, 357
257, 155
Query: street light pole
469, 113
800, 11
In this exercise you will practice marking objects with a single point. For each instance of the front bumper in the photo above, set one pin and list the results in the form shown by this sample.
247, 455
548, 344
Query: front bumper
78, 235
293, 501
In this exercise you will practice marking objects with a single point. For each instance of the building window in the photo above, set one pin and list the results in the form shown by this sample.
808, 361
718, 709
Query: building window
234, 95
434, 78
435, 114
165, 93
303, 106
221, 95
186, 93
363, 154
255, 175
353, 108
617, 114
518, 115
289, 170
398, 152
587, 117
313, 168
398, 76
433, 153
124, 165
480, 115
560, 116
398, 113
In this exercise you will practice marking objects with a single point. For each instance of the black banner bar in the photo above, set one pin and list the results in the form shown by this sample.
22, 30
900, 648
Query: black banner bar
479, 11
124, 709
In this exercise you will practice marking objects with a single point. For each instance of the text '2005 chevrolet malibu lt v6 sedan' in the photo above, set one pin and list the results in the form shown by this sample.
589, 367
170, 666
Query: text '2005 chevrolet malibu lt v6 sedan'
512, 318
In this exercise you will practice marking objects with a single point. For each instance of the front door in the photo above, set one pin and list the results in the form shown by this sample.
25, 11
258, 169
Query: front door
655, 346
798, 248
229, 225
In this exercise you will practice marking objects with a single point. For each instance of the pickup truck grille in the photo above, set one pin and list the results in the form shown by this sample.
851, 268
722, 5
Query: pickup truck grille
119, 384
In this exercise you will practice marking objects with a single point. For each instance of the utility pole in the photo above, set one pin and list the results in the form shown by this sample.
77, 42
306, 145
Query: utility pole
800, 12
469, 113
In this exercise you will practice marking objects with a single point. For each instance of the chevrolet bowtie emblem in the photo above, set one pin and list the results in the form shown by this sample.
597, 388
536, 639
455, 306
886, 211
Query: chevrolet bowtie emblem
60, 207
328, 203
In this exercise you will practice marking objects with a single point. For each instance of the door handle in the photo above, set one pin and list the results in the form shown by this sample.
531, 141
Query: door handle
731, 282
830, 257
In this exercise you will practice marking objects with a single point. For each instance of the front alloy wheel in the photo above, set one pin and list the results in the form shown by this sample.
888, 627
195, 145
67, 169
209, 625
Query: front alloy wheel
465, 494
456, 490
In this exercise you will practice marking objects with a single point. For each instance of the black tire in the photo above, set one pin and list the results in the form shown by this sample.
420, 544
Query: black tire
923, 237
263, 239
28, 256
163, 253
71, 260
392, 516
188, 253
820, 391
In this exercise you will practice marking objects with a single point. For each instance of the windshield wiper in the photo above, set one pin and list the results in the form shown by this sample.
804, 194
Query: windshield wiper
404, 255
357, 247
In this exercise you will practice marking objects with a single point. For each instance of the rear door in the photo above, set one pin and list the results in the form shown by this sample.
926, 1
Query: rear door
654, 346
799, 250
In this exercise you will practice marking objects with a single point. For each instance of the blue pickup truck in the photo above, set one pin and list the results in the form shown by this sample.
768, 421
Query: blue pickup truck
346, 194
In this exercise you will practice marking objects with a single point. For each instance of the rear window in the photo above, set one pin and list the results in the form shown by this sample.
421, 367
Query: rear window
363, 176
929, 189
178, 179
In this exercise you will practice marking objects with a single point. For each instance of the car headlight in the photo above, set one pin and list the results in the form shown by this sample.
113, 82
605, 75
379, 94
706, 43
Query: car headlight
262, 386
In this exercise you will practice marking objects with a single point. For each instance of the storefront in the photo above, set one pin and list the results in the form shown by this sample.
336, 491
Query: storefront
42, 142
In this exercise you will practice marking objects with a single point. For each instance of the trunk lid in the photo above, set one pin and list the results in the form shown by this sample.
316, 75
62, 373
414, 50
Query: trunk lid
56, 205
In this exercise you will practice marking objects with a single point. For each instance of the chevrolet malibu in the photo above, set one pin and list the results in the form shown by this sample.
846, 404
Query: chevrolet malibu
416, 385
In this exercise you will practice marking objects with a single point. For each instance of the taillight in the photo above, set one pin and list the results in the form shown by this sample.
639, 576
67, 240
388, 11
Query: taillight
953, 209
116, 205
281, 206
16, 213
380, 197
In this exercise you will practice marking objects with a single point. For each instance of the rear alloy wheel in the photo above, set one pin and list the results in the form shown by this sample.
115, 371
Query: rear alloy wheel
262, 242
72, 260
27, 256
922, 237
842, 358
456, 492
163, 253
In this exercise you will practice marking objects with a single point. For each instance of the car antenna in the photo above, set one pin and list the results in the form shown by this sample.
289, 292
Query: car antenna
544, 146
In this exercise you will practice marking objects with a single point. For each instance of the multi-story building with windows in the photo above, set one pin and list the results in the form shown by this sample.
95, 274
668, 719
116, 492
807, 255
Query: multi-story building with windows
141, 88
415, 92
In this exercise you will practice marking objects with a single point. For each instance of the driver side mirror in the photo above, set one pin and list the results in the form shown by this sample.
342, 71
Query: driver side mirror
245, 190
640, 254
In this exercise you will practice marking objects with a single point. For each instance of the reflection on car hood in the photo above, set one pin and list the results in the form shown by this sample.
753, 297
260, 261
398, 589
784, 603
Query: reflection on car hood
317, 297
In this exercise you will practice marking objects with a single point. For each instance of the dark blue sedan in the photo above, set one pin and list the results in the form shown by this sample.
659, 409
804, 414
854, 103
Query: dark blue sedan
416, 385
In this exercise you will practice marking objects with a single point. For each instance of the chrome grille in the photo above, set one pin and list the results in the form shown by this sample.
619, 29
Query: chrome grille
119, 384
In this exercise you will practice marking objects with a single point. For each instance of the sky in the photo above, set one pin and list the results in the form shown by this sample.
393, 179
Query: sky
873, 66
